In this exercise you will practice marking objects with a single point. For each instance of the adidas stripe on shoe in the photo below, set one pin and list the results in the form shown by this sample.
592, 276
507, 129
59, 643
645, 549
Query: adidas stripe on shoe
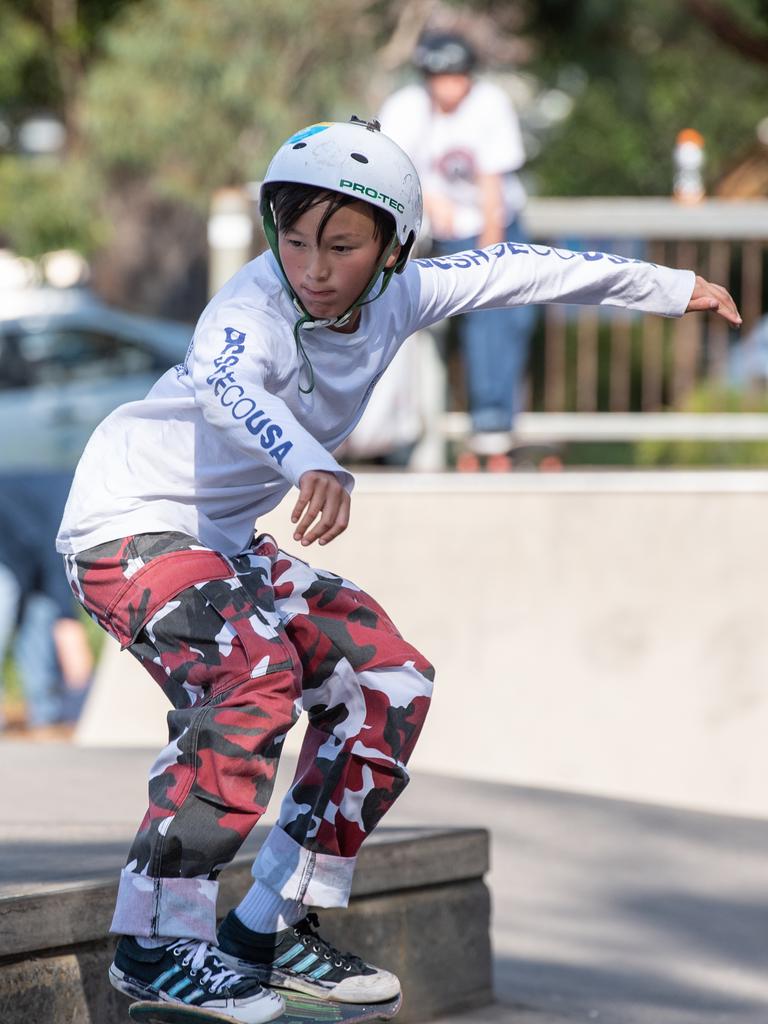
299, 958
191, 973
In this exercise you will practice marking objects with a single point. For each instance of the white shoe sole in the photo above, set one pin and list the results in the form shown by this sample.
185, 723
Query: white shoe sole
363, 988
265, 1007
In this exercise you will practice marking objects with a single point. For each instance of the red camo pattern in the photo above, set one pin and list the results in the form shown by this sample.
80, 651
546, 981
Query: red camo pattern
239, 645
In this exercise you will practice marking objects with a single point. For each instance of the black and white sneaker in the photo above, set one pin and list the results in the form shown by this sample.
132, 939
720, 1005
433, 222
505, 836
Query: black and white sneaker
298, 958
188, 972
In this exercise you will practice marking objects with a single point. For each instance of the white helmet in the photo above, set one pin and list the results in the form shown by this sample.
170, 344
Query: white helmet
353, 158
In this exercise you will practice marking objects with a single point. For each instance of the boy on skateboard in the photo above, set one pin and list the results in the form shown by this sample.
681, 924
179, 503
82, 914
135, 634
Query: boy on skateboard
159, 545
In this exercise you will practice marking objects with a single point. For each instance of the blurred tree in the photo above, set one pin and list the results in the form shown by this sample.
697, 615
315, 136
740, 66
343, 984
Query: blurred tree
183, 102
740, 24
615, 80
46, 206
197, 101
642, 71
166, 100
48, 46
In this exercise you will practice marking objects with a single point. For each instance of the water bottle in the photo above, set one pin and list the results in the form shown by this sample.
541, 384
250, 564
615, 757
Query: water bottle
689, 161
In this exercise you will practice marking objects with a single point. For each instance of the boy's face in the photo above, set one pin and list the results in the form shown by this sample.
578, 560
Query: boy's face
330, 274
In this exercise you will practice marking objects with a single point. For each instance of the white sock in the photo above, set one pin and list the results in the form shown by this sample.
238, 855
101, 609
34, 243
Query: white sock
146, 943
263, 910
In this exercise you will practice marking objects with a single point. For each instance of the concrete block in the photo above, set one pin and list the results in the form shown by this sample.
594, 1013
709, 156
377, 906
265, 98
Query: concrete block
419, 907
435, 940
392, 860
607, 610
56, 918
68, 987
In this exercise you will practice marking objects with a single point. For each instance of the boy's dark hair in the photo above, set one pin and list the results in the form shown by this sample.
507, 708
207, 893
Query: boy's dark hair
290, 201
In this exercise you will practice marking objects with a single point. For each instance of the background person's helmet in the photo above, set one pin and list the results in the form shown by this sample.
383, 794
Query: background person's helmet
355, 159
444, 53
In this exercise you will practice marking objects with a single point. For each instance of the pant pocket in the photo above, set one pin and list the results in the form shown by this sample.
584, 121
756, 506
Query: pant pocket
251, 627
155, 584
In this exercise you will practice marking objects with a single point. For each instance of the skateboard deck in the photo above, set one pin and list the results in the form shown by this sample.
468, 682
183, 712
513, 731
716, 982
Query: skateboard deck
299, 1009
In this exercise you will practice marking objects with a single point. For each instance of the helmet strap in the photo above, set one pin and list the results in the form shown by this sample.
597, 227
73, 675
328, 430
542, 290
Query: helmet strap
302, 322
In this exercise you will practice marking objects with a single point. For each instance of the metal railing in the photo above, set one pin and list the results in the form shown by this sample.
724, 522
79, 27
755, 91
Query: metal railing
589, 359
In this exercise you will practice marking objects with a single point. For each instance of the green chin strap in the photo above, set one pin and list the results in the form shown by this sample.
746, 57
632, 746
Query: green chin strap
305, 317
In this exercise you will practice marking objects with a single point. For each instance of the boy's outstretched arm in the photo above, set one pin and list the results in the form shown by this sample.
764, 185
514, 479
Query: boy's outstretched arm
708, 297
320, 493
518, 273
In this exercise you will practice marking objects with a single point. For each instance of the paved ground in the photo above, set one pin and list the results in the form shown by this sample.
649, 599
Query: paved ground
604, 910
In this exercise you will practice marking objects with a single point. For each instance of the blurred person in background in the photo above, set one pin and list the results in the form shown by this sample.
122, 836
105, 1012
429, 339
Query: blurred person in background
392, 424
39, 621
464, 138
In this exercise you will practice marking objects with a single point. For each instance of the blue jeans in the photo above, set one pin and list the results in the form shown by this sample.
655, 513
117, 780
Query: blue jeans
46, 698
494, 347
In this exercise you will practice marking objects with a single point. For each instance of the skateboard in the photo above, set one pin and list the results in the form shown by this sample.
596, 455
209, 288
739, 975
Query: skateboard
299, 1009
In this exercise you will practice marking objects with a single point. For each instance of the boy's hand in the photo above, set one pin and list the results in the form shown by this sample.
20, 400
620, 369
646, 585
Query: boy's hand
713, 298
320, 493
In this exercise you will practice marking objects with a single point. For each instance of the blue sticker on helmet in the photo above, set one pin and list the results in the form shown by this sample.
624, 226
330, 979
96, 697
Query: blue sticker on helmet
306, 132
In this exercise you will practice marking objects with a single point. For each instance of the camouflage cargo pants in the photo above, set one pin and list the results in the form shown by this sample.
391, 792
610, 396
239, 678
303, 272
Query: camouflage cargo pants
240, 645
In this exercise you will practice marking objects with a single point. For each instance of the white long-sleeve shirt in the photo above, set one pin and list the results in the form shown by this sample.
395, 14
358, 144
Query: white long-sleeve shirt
222, 437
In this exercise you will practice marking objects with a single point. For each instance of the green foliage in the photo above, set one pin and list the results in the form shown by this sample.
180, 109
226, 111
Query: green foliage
46, 49
20, 44
651, 70
192, 96
48, 205
169, 93
708, 399
203, 101
749, 16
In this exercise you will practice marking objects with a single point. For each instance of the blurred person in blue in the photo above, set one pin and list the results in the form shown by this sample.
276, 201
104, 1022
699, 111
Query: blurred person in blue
39, 624
464, 138
748, 358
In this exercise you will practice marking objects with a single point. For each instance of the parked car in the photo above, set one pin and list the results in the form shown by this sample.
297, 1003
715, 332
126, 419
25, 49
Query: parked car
66, 361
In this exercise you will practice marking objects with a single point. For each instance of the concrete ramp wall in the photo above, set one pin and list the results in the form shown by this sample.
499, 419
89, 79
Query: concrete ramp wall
596, 632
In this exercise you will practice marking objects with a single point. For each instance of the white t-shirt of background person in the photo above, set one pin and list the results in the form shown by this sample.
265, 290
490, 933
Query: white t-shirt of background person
482, 136
221, 438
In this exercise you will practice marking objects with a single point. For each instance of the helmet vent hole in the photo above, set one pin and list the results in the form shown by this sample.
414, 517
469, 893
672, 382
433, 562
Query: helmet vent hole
300, 145
360, 158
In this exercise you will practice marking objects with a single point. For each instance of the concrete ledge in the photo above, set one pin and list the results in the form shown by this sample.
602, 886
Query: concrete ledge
596, 600
415, 891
